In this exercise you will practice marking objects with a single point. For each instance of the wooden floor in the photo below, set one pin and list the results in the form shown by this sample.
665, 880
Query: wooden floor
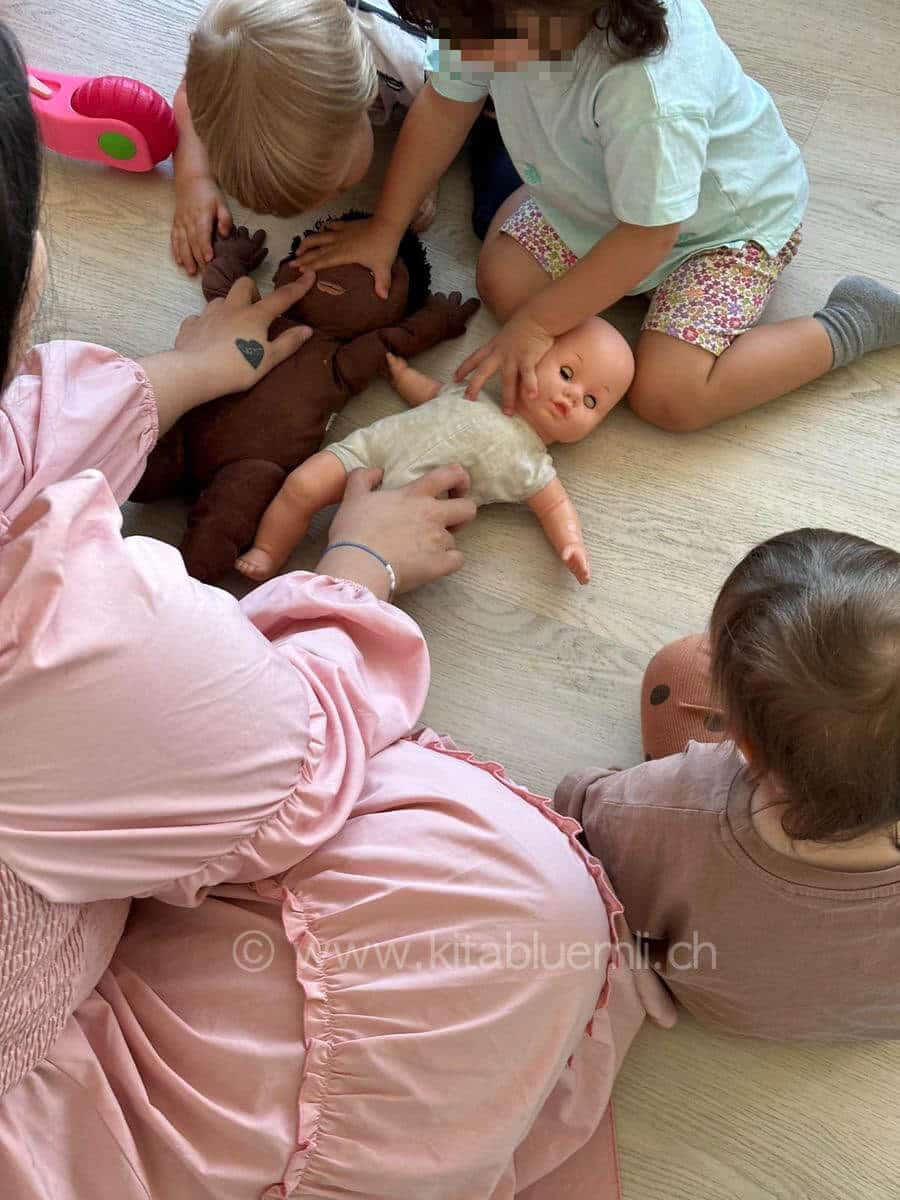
532, 670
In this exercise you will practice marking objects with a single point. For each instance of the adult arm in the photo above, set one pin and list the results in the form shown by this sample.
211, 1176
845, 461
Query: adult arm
163, 739
75, 406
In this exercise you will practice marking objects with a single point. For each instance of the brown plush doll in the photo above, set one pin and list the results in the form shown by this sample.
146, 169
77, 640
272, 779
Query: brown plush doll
232, 455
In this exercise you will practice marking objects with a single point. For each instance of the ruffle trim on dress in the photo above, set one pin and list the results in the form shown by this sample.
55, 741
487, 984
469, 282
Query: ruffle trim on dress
442, 744
313, 981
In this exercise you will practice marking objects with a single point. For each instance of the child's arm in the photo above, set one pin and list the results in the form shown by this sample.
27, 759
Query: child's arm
557, 515
363, 359
618, 262
431, 137
314, 485
409, 384
200, 209
236, 255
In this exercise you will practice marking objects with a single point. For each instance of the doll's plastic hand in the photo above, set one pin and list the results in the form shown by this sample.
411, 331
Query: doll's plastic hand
228, 344
514, 352
370, 242
409, 526
575, 558
249, 249
454, 313
200, 211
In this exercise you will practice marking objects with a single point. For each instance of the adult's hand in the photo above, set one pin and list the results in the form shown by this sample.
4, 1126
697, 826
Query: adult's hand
410, 527
226, 348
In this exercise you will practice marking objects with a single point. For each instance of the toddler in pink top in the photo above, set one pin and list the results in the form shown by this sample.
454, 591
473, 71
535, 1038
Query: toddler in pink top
757, 851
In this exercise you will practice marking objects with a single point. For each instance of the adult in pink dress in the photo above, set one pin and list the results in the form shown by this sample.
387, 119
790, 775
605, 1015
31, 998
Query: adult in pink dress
357, 963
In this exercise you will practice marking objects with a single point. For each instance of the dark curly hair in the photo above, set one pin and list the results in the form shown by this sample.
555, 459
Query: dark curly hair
633, 28
20, 191
805, 640
412, 254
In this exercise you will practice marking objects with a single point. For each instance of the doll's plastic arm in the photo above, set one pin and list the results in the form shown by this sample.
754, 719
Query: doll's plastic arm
411, 385
559, 520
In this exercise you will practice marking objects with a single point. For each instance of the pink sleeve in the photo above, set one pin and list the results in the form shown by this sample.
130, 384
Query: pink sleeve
71, 407
154, 741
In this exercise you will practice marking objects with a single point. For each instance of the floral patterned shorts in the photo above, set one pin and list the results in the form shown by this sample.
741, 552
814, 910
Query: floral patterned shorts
708, 301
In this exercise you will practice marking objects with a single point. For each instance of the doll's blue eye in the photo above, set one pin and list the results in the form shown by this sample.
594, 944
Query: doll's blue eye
590, 401
566, 373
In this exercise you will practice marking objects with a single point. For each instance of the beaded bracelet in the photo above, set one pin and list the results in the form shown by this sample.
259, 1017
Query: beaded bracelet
392, 577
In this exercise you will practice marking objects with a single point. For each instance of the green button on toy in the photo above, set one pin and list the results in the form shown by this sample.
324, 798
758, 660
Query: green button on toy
117, 145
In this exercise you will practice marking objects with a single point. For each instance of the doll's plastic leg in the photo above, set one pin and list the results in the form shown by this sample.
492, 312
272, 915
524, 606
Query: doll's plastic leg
320, 481
225, 517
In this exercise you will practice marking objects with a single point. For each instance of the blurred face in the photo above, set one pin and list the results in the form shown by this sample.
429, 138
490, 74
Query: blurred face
585, 374
529, 37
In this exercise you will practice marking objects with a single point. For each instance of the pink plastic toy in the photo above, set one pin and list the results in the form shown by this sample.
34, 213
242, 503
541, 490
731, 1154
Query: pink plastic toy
110, 119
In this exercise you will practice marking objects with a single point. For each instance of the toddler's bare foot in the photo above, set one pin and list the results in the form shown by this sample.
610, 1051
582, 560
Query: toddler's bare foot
257, 564
424, 218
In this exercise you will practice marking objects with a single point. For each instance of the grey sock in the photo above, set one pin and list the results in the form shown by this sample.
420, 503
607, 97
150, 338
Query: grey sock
861, 315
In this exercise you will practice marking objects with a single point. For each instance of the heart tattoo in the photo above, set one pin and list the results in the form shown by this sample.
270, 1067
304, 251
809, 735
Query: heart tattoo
252, 351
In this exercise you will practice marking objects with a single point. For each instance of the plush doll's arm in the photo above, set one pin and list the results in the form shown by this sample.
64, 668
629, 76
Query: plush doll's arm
557, 515
234, 256
363, 359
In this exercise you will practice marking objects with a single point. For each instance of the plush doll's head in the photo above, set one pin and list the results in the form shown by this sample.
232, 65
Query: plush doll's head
342, 302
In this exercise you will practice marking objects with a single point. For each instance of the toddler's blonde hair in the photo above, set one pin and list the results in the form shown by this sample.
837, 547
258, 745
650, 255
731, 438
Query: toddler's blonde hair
276, 88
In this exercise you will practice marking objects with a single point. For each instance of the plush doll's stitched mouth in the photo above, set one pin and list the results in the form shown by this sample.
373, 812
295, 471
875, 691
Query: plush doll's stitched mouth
330, 288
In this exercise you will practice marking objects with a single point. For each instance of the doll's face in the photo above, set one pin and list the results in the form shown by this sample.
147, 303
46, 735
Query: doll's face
585, 373
342, 302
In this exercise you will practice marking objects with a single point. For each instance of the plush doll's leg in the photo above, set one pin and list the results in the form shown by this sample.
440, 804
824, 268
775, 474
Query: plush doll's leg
164, 474
320, 481
225, 517
409, 384
676, 703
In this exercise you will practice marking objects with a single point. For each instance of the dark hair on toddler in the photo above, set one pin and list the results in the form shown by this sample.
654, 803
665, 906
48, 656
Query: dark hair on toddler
805, 643
634, 28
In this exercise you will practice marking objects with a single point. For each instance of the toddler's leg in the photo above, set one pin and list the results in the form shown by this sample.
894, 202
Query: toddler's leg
519, 258
320, 481
692, 369
676, 707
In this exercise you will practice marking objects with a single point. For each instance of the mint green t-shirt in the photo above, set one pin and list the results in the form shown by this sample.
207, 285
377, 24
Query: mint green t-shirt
683, 136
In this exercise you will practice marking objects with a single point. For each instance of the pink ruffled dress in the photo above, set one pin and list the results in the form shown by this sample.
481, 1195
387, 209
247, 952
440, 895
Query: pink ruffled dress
403, 980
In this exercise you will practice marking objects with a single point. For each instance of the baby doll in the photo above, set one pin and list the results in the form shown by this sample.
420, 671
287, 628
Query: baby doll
585, 373
232, 456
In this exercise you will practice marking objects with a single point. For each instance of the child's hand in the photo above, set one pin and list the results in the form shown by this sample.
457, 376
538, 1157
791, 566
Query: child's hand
372, 243
575, 558
514, 352
200, 212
